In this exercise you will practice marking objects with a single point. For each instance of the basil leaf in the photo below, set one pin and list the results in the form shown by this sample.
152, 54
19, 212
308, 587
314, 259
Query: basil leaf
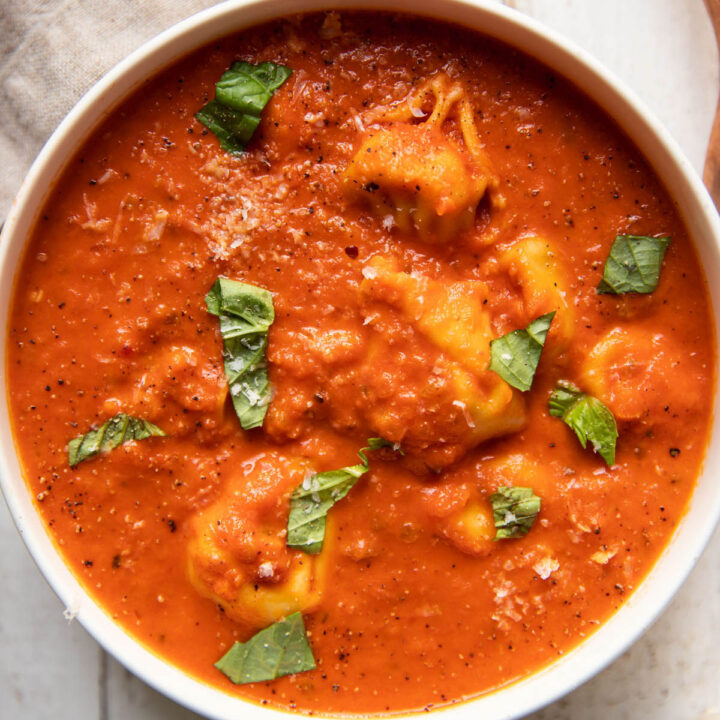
240, 96
515, 356
514, 511
378, 443
231, 128
312, 500
247, 88
587, 416
633, 265
246, 313
113, 432
281, 649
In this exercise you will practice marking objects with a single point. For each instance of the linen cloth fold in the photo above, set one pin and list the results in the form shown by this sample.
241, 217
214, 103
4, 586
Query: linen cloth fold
51, 52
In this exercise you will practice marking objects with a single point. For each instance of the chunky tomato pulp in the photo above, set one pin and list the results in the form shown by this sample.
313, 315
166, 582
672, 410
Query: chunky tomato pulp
386, 293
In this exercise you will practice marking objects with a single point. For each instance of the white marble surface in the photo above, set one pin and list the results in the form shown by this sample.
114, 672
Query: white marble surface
664, 49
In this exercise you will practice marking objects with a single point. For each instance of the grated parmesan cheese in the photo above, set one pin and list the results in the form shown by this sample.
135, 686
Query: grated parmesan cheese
603, 556
468, 418
546, 566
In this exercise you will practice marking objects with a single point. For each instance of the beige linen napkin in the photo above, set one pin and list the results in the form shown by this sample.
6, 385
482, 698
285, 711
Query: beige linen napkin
51, 52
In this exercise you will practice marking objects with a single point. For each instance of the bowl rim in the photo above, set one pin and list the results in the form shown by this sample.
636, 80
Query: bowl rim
529, 36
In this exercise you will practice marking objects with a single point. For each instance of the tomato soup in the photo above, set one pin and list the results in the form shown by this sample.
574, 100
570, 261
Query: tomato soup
420, 214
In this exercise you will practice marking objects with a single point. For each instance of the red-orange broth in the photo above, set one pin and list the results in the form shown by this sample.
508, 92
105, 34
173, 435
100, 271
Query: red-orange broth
413, 610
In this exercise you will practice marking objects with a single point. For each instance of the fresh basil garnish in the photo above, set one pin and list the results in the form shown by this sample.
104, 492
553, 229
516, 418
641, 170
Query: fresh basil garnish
246, 313
514, 511
281, 649
587, 416
113, 432
312, 500
515, 356
240, 96
633, 265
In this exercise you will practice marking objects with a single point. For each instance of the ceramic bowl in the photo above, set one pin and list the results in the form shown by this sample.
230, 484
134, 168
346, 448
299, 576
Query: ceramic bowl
696, 207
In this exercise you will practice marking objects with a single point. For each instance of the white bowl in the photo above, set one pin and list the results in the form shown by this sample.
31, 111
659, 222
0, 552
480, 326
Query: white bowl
694, 204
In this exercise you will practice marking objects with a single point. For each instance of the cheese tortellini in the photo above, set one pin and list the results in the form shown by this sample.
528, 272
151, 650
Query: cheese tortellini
238, 556
462, 512
460, 402
633, 370
179, 388
536, 268
414, 174
470, 528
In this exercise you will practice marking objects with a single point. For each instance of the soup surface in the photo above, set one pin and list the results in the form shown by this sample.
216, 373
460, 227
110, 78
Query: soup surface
412, 192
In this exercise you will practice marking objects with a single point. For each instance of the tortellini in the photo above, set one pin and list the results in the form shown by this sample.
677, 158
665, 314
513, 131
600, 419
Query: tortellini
471, 528
175, 376
462, 512
238, 556
414, 175
536, 268
452, 401
633, 370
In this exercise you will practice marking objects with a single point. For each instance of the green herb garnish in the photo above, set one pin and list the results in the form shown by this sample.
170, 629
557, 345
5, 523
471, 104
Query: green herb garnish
246, 313
240, 96
113, 432
281, 649
587, 416
514, 511
633, 265
312, 500
515, 356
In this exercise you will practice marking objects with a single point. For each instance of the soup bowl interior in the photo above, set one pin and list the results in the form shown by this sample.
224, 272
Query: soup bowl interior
669, 163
